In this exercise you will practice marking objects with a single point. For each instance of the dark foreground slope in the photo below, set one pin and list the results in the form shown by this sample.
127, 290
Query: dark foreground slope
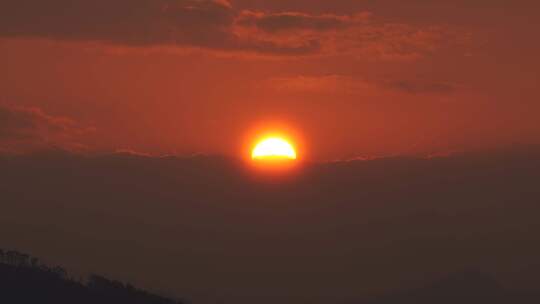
23, 281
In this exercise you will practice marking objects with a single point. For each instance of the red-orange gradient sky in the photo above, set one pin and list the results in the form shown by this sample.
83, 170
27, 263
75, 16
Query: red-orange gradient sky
353, 77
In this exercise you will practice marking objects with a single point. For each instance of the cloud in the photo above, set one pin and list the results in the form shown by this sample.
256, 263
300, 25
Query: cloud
137, 23
357, 35
212, 25
423, 87
25, 129
348, 84
327, 83
275, 22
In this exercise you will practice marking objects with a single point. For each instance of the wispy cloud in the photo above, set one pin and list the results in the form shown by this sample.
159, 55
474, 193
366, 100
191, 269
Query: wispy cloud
215, 25
23, 129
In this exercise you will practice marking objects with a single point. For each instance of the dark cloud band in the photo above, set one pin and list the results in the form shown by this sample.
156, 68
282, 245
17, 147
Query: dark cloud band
184, 23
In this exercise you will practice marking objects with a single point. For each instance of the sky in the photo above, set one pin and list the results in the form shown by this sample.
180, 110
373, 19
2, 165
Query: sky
122, 91
347, 78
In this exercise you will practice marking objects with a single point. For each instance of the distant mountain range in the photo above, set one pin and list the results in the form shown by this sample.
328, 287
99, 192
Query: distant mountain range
461, 288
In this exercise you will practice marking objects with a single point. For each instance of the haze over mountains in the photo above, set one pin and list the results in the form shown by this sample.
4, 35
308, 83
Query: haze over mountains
210, 230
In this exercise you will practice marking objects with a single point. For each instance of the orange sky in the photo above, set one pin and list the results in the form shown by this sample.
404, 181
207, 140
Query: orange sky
352, 78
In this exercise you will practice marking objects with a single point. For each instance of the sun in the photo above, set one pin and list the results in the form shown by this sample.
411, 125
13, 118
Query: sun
274, 148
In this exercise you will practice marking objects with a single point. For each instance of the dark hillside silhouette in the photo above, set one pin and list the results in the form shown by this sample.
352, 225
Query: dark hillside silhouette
23, 280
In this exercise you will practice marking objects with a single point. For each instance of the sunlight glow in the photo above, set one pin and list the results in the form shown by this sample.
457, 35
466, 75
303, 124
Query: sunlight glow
273, 148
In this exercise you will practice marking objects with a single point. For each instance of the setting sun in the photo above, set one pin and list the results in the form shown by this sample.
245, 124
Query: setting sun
274, 148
